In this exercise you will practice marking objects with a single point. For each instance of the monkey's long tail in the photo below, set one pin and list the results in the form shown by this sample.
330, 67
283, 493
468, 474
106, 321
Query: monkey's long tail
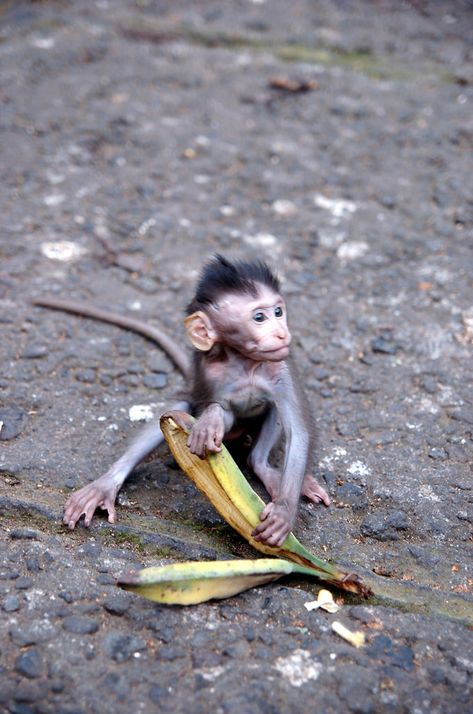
156, 334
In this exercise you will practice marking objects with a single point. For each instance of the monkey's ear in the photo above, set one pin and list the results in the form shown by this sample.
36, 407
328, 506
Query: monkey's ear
200, 331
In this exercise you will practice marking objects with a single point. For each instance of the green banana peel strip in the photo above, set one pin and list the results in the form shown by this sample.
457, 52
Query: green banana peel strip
220, 479
196, 582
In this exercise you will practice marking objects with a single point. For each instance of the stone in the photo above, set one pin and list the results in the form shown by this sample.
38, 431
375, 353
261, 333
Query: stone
116, 604
156, 380
352, 495
29, 664
384, 525
438, 454
356, 687
23, 583
11, 604
320, 373
384, 345
158, 694
465, 414
423, 555
34, 351
66, 596
33, 564
170, 653
9, 574
12, 422
24, 534
86, 375
80, 625
36, 632
30, 692
121, 647
159, 362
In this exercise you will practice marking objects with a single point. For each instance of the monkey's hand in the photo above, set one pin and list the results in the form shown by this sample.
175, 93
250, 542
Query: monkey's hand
98, 494
276, 524
208, 431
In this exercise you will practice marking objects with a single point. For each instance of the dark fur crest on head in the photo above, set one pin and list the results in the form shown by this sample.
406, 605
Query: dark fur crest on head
220, 276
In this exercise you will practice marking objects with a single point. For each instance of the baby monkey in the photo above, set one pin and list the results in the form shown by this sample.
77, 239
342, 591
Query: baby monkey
241, 373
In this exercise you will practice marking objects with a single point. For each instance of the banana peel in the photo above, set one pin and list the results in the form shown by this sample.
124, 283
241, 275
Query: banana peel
196, 582
220, 479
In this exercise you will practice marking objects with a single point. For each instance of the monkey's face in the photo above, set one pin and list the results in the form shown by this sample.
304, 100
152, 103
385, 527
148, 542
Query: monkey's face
256, 327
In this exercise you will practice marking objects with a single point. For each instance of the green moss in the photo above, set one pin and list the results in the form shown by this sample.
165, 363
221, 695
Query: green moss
123, 539
163, 552
362, 61
23, 518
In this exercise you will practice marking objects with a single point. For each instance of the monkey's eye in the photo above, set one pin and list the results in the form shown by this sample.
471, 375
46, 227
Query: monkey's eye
278, 312
259, 317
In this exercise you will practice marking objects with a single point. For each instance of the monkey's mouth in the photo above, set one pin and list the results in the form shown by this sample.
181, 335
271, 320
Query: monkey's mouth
279, 353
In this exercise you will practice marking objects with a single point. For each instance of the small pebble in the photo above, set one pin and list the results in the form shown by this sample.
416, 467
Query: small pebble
6, 574
12, 422
122, 647
156, 380
24, 534
29, 664
116, 604
384, 525
11, 603
66, 596
40, 630
86, 375
23, 583
80, 625
384, 345
34, 352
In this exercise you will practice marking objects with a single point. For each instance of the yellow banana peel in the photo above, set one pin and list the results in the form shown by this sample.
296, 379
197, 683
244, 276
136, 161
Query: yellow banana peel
220, 479
196, 582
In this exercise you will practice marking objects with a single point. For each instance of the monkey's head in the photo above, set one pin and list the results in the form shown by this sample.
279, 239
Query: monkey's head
239, 305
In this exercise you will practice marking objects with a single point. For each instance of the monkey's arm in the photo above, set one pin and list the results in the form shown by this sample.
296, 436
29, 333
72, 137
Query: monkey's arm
102, 492
278, 516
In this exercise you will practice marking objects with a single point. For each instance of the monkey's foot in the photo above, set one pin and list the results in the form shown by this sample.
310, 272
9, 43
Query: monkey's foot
314, 492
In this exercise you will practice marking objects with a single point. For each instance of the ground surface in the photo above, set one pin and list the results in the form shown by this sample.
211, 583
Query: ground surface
150, 134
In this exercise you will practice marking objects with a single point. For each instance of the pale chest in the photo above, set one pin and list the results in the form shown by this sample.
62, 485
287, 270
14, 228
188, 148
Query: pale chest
246, 392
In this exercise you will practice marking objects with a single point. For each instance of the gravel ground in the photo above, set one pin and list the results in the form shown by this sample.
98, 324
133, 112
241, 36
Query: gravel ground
333, 140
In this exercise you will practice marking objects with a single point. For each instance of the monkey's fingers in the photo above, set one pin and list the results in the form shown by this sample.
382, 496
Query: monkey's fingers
266, 511
108, 505
74, 508
85, 502
272, 532
214, 440
274, 526
205, 440
85, 506
196, 442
